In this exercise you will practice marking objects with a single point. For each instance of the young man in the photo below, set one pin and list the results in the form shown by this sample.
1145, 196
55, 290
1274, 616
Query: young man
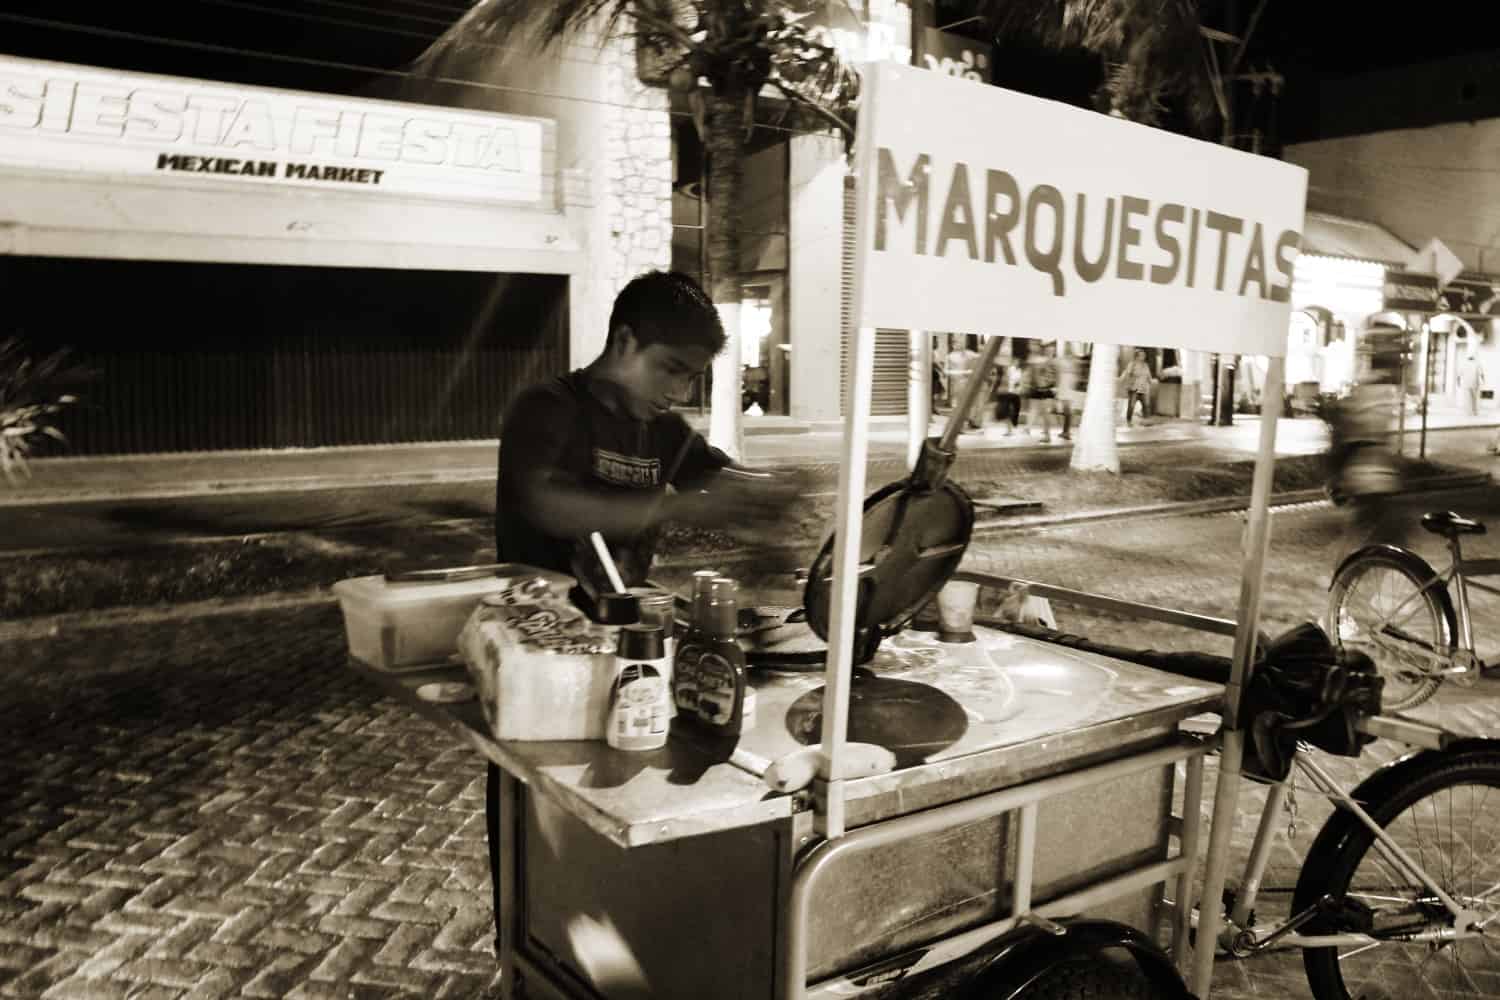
597, 449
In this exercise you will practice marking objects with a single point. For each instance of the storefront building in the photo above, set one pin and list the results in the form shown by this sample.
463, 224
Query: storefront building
251, 268
1452, 328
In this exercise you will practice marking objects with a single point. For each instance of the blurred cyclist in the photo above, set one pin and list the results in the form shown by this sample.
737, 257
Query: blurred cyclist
1363, 471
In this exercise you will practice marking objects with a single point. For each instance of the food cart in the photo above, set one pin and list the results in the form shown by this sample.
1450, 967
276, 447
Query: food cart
1027, 828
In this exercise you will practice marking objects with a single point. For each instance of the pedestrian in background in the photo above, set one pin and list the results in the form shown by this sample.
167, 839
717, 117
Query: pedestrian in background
1135, 384
1008, 395
963, 365
1067, 391
1471, 381
1043, 394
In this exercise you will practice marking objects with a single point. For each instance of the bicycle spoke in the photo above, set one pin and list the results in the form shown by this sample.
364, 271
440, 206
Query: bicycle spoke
1453, 834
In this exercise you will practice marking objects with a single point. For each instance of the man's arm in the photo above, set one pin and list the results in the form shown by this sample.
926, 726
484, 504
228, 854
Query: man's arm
551, 496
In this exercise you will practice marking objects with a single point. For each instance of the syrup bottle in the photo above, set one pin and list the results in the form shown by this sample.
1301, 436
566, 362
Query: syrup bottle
690, 647
638, 698
721, 664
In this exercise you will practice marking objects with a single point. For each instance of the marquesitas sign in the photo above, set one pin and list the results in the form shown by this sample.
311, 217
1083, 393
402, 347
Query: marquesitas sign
987, 211
57, 116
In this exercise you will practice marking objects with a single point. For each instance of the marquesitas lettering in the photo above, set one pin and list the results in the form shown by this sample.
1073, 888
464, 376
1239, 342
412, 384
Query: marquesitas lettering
1135, 239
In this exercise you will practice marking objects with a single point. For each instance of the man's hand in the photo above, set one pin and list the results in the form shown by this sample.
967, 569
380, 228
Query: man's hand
739, 498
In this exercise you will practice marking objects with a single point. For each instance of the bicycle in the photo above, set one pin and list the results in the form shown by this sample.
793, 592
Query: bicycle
1404, 871
1374, 882
1390, 603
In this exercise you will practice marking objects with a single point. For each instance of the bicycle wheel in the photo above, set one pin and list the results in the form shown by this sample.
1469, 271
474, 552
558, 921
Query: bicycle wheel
1377, 605
1443, 809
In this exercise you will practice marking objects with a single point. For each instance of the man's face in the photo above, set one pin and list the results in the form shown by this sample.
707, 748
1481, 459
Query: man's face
1140, 355
656, 377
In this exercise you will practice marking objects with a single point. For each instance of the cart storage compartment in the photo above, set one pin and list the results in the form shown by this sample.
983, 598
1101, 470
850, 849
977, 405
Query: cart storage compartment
730, 888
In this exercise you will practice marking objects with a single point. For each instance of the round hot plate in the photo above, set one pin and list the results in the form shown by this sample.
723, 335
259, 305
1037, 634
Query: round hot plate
911, 719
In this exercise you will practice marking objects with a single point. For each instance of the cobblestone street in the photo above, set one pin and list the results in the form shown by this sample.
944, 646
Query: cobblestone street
217, 808
214, 806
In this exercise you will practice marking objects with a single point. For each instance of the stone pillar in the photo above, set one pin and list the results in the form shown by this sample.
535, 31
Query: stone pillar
814, 274
631, 228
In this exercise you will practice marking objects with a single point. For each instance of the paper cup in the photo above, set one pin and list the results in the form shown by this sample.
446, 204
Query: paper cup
956, 602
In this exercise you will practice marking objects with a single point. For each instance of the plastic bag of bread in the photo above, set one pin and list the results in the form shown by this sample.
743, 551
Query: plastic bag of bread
541, 668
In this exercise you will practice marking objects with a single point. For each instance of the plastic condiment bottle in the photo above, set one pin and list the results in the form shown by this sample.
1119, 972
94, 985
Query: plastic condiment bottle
638, 699
689, 646
721, 665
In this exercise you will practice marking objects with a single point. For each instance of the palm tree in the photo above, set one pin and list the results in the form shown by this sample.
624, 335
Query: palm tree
1153, 52
722, 55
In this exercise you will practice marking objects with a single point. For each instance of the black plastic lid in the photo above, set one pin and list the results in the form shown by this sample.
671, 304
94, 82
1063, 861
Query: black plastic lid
641, 642
617, 609
913, 537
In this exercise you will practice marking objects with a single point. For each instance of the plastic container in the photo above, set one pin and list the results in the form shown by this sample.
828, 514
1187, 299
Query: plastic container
412, 620
639, 699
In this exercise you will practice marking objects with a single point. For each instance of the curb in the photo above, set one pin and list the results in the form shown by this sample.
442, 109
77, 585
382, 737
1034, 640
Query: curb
51, 626
439, 477
221, 487
471, 474
1190, 508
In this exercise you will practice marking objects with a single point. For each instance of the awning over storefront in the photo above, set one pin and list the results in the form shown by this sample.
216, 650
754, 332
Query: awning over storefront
61, 214
1339, 236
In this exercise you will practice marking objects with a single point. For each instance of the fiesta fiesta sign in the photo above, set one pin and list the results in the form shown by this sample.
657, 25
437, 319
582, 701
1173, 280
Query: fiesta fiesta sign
59, 116
1059, 222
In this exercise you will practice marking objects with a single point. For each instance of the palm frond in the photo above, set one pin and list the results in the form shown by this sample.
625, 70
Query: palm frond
1152, 49
517, 23
31, 396
545, 22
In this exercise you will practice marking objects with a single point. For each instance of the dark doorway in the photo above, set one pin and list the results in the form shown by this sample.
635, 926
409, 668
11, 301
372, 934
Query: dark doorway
195, 356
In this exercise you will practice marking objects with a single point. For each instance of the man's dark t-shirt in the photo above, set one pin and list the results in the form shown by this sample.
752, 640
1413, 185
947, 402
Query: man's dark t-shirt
566, 425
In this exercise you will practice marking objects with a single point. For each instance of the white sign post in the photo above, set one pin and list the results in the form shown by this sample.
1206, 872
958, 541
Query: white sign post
984, 210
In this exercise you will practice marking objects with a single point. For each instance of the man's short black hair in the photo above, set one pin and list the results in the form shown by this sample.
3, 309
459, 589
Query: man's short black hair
667, 307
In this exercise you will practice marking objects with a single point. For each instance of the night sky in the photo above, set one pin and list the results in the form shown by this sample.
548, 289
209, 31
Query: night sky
219, 39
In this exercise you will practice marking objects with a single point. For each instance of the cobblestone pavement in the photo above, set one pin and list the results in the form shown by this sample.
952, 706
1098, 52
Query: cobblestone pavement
215, 807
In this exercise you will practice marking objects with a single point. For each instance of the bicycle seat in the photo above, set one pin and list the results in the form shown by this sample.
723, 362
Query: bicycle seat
1445, 522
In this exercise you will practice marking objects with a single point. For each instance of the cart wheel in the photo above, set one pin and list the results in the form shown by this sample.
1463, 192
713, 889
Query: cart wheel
1092, 978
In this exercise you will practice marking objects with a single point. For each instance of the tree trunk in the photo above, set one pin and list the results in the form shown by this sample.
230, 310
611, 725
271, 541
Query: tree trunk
725, 141
1096, 450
